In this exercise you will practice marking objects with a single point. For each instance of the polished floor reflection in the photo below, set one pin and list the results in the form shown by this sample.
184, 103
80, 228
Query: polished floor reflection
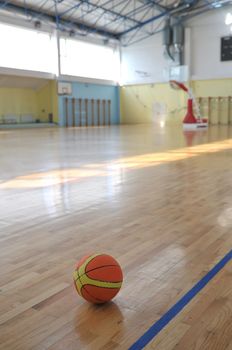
159, 200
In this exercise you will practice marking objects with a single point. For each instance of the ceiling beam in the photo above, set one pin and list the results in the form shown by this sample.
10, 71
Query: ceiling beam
154, 18
98, 7
13, 8
155, 4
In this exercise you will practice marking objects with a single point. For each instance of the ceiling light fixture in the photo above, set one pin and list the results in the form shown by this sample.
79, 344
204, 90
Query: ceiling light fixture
216, 4
228, 19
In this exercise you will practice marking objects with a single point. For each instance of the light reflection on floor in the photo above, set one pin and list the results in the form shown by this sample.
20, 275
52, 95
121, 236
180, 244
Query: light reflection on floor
113, 168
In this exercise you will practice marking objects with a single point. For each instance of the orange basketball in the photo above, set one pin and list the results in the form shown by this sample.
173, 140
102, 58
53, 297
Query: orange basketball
98, 278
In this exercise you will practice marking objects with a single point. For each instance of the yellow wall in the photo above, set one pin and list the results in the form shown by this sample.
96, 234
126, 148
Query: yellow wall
44, 102
55, 101
18, 101
213, 88
48, 101
38, 103
137, 101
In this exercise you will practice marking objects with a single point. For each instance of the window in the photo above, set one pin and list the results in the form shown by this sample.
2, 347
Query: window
27, 49
89, 60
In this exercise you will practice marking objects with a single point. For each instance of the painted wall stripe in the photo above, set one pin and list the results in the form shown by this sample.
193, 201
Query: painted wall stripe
157, 327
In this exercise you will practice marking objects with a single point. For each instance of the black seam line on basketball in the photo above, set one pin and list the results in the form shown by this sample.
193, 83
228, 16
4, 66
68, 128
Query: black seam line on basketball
101, 300
96, 268
93, 259
87, 284
99, 280
93, 285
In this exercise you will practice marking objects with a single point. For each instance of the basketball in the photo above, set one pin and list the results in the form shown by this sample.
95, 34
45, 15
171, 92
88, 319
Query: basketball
98, 278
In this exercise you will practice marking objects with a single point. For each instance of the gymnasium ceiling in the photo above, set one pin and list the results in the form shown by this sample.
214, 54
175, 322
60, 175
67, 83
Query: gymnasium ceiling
125, 20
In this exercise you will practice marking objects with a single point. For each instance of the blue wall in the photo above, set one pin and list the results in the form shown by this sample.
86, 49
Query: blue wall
91, 91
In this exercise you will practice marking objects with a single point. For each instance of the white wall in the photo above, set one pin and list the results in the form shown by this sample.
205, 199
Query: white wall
202, 52
143, 62
206, 32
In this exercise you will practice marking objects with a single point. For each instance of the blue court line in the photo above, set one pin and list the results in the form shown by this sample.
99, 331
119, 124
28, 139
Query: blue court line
157, 327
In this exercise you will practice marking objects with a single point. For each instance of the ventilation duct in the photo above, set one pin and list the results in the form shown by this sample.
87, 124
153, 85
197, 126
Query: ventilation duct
178, 43
167, 40
173, 41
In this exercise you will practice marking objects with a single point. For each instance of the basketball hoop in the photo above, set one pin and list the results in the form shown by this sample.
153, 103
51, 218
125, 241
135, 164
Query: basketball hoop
190, 121
176, 85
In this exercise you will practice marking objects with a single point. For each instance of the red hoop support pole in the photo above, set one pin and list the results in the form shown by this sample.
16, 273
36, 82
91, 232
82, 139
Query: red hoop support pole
190, 118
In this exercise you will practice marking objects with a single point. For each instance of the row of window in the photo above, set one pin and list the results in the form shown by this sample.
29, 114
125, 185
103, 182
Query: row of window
30, 50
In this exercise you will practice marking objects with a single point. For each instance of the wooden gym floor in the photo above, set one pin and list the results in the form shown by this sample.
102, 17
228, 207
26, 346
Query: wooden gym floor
162, 207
